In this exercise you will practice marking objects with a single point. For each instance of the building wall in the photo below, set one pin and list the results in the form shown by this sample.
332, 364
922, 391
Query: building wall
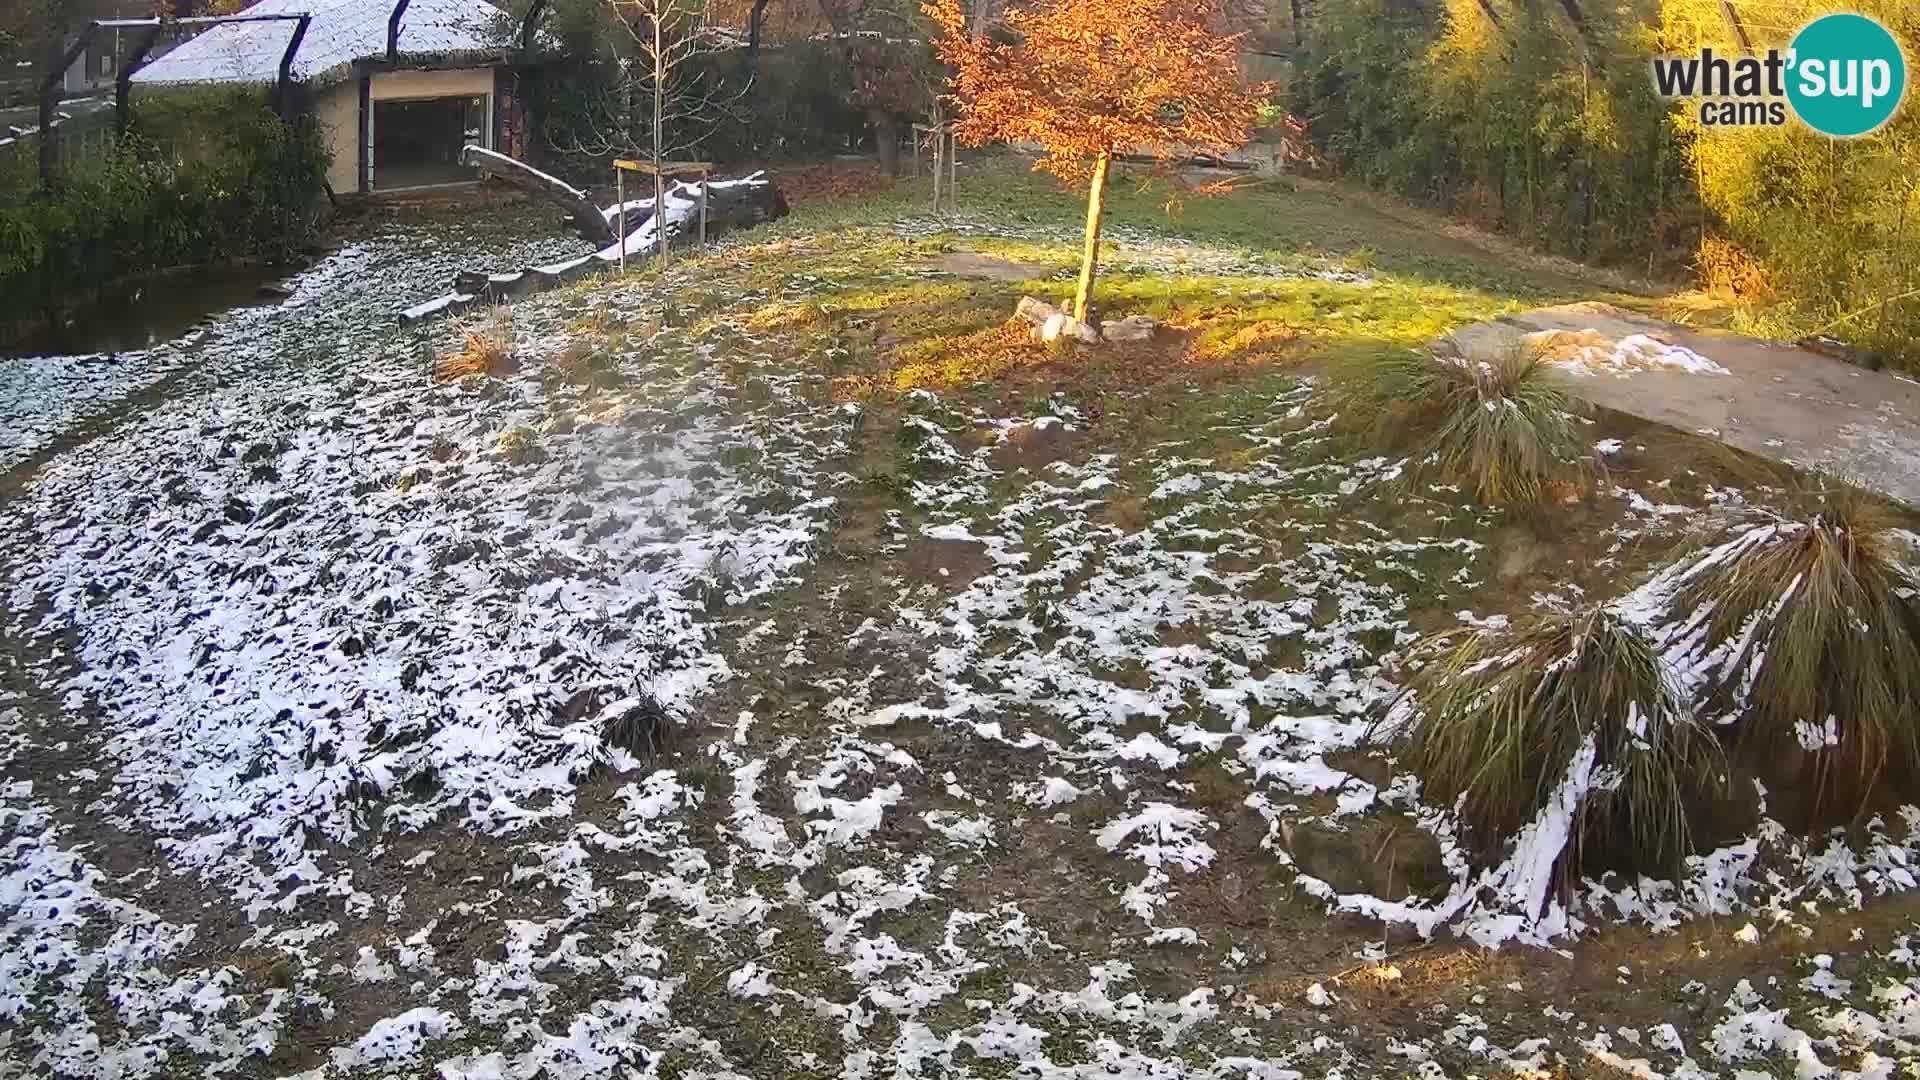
467, 82
338, 110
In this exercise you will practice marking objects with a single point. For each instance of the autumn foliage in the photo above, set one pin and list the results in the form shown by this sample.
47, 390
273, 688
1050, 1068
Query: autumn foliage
1091, 81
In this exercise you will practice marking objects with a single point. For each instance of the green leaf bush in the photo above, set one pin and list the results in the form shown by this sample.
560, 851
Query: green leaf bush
199, 177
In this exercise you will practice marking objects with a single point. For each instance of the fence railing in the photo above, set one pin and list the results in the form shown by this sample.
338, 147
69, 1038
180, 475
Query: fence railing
83, 142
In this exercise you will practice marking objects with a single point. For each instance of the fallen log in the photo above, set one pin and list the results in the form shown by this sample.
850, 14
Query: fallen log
594, 225
731, 205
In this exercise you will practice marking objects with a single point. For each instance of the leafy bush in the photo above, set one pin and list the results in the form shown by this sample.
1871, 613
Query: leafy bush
1500, 427
1521, 128
1573, 711
520, 445
1805, 635
1835, 223
798, 106
200, 177
1509, 125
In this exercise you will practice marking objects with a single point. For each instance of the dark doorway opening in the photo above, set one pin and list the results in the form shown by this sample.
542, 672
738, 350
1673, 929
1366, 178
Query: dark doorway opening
417, 143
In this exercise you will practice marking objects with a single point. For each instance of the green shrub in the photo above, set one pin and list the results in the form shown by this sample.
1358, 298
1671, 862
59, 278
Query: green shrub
201, 176
1496, 725
1507, 125
520, 445
1500, 427
1516, 127
1835, 223
1806, 635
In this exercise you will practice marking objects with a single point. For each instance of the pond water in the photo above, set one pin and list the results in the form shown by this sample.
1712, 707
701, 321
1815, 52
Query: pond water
150, 312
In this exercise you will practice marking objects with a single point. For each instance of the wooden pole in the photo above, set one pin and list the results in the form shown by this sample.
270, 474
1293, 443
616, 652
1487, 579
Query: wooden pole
938, 168
705, 177
660, 217
620, 200
1096, 205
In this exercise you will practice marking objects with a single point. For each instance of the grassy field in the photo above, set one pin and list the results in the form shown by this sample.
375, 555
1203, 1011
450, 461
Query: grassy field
779, 665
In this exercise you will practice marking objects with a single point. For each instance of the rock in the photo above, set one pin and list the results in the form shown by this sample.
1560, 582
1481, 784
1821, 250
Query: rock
1035, 311
1131, 328
1051, 324
1066, 326
1516, 553
1379, 858
275, 292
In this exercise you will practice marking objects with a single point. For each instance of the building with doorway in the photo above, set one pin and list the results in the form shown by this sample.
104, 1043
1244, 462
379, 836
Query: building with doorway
398, 86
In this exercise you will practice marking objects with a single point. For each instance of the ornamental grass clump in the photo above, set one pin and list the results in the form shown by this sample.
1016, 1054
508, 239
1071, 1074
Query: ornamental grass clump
1502, 428
1571, 725
1802, 635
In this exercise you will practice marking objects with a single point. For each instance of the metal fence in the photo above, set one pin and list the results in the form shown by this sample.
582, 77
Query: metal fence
84, 140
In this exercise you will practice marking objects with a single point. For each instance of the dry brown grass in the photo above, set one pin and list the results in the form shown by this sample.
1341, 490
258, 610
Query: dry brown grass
486, 348
1725, 268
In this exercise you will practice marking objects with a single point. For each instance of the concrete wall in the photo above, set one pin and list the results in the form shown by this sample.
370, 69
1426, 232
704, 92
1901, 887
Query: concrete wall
338, 110
467, 82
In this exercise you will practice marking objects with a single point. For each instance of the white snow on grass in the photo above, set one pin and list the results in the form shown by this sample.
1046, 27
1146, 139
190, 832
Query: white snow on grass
347, 665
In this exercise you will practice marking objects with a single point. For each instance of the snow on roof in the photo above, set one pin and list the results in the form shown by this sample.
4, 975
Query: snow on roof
342, 31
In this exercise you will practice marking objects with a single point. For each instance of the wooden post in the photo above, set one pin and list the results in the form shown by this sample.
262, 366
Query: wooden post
938, 167
705, 179
1096, 204
620, 200
660, 217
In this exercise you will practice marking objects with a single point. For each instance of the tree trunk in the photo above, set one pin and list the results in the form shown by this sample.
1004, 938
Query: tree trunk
886, 139
587, 218
982, 16
756, 21
1588, 37
1096, 207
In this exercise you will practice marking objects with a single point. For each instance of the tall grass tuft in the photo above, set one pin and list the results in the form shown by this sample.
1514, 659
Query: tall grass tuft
486, 348
1501, 427
1497, 725
1805, 634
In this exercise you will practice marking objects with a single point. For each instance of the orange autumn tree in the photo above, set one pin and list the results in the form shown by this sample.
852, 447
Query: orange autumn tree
1090, 81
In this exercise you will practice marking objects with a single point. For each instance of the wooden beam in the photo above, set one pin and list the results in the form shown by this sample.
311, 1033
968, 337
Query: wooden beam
283, 87
665, 168
1739, 29
393, 30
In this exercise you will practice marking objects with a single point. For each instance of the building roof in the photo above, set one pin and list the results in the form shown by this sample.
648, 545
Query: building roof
342, 32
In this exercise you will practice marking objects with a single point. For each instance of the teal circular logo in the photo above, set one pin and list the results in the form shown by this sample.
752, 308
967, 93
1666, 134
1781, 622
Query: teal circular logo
1845, 75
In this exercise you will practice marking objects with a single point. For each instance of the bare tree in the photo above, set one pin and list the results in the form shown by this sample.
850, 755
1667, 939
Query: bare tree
668, 94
